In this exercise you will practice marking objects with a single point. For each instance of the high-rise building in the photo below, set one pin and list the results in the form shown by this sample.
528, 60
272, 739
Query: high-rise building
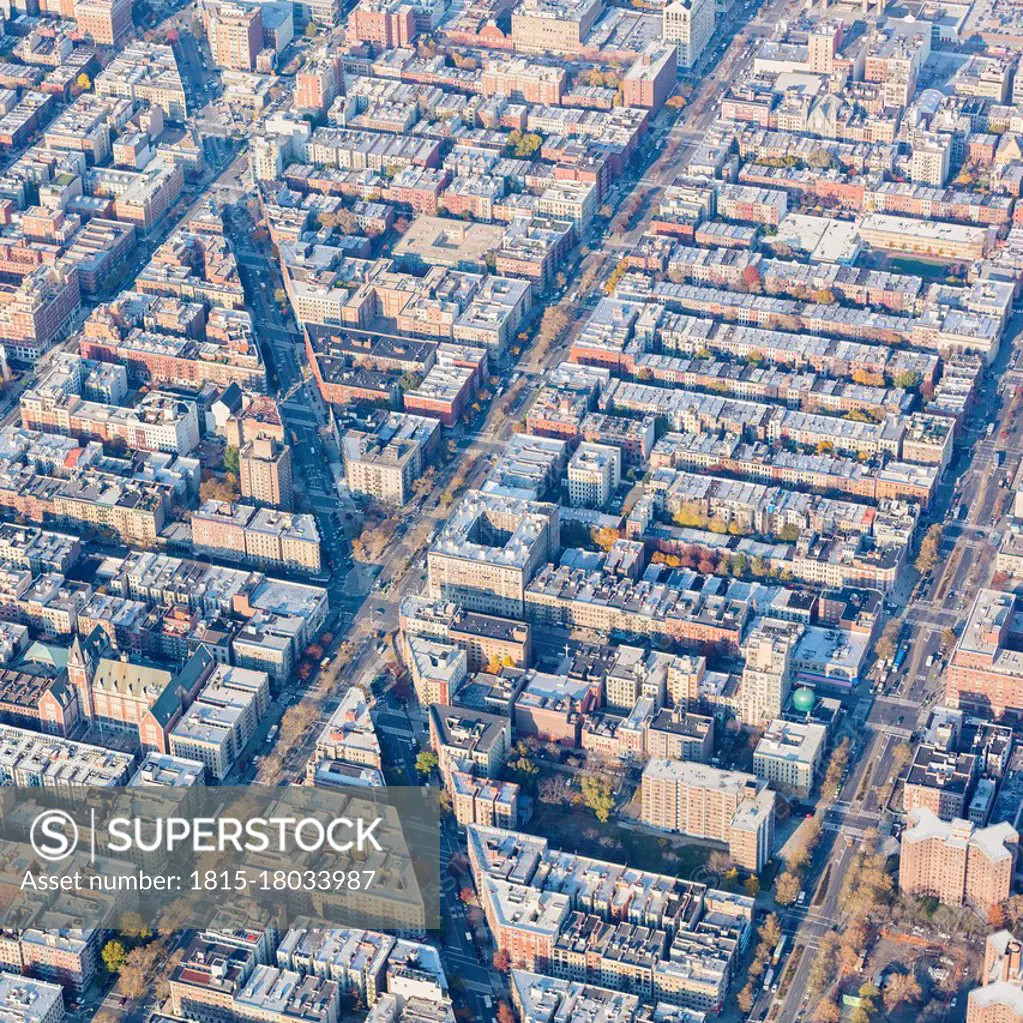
264, 466
957, 862
705, 802
107, 21
999, 998
688, 24
317, 84
823, 42
930, 161
235, 34
766, 678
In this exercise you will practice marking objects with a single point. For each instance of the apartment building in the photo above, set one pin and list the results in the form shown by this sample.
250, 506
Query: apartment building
553, 26
469, 741
957, 862
731, 807
923, 238
999, 997
67, 959
487, 639
235, 34
386, 463
930, 160
222, 719
488, 551
594, 474
24, 1000
766, 675
106, 21
316, 84
789, 755
524, 889
524, 81
349, 736
265, 536
985, 674
387, 23
688, 25
160, 422
941, 781
481, 801
438, 669
264, 467
30, 759
41, 702
678, 734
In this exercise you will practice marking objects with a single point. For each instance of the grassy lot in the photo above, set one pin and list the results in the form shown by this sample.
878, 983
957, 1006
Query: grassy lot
576, 829
928, 269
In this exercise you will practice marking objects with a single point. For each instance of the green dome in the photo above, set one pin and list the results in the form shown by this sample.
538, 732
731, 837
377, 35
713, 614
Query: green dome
804, 699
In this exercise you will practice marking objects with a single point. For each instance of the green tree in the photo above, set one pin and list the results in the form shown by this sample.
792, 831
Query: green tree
114, 955
231, 460
789, 532
426, 762
521, 764
909, 379
598, 796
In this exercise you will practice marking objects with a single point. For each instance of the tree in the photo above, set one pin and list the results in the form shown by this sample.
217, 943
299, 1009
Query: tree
744, 999
885, 646
426, 762
789, 532
823, 968
948, 639
751, 886
231, 463
787, 890
523, 144
929, 548
522, 764
343, 219
133, 982
770, 931
909, 379
467, 895
132, 926
114, 955
502, 961
505, 1013
901, 988
836, 769
719, 862
219, 490
598, 795
827, 1011
83, 82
